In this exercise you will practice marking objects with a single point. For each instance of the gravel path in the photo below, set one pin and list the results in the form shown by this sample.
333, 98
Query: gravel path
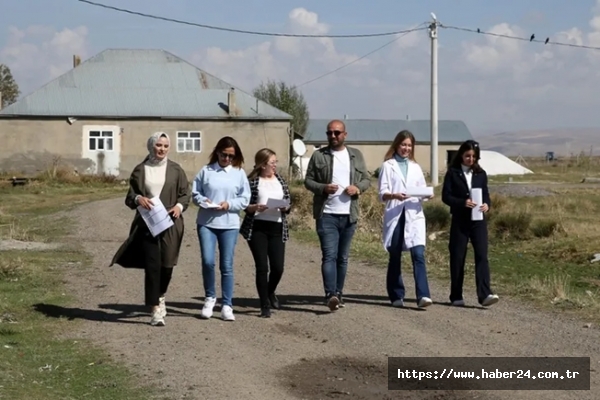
303, 352
520, 190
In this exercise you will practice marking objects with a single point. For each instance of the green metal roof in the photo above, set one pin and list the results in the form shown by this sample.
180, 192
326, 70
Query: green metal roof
150, 83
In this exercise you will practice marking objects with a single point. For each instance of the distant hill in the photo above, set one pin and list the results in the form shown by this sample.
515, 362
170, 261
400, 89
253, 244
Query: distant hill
537, 142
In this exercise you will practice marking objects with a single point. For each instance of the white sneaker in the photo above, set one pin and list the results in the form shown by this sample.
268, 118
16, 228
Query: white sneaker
227, 313
207, 310
398, 303
491, 299
162, 307
157, 319
333, 303
425, 302
458, 303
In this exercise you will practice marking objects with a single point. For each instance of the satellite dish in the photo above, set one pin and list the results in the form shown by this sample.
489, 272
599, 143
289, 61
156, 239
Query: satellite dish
299, 147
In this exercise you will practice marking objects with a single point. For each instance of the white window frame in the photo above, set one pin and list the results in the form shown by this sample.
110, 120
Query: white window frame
189, 137
104, 138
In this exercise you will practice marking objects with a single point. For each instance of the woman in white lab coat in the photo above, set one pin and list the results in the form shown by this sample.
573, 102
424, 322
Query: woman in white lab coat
403, 220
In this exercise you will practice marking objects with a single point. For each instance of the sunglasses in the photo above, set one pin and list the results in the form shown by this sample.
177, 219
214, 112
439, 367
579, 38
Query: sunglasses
227, 156
473, 143
336, 133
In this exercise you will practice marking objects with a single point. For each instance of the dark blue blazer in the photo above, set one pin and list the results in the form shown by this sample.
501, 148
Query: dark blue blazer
455, 191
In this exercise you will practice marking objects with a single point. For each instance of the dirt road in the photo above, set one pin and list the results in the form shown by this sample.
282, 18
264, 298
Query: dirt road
303, 351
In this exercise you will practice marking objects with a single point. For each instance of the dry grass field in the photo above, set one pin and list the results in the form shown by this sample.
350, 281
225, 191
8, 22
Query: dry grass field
544, 232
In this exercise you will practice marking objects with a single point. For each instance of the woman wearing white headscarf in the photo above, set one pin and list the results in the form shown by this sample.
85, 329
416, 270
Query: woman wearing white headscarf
155, 176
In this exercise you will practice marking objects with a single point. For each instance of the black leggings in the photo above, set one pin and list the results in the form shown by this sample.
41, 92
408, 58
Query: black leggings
268, 249
157, 277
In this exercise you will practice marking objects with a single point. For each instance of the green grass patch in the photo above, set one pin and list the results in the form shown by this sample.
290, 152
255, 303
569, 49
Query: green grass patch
38, 359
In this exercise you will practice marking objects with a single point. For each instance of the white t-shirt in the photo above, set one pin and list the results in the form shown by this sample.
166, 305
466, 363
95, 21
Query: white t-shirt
468, 175
269, 189
339, 202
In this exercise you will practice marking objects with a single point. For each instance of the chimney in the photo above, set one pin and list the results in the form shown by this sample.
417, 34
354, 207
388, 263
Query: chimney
231, 102
76, 61
407, 117
345, 116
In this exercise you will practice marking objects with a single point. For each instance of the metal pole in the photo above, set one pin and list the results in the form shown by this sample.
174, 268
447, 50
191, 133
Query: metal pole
434, 101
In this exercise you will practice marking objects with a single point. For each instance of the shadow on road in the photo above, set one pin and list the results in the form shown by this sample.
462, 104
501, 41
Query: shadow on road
72, 313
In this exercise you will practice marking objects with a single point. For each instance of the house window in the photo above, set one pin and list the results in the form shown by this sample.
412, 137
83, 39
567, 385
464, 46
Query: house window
189, 142
100, 141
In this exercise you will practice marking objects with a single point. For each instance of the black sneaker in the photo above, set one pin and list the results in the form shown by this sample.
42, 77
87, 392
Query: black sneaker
265, 312
341, 300
333, 302
274, 301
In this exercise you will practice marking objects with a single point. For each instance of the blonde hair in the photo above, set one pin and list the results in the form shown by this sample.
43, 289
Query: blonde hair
401, 137
261, 158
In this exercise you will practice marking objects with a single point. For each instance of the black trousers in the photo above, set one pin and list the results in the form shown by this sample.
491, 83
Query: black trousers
157, 277
461, 230
268, 250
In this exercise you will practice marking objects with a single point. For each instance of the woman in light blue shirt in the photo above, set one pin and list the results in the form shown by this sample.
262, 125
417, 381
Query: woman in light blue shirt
221, 190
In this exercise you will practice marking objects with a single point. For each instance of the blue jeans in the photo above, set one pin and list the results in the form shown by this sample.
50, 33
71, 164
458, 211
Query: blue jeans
335, 234
395, 285
227, 239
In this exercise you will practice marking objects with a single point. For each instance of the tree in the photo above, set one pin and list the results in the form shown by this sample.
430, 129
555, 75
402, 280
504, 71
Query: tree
8, 87
287, 99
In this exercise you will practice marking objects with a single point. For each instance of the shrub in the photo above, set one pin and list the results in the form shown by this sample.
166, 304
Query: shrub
512, 225
301, 215
437, 216
498, 204
10, 269
498, 201
545, 228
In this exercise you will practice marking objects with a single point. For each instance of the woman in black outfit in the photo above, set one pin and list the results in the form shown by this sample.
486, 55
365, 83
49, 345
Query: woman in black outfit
464, 174
266, 229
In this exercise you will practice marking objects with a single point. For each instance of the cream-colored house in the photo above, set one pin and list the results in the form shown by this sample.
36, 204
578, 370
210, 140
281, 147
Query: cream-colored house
373, 138
98, 116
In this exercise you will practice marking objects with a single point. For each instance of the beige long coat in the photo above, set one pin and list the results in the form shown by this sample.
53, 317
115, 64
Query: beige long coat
175, 190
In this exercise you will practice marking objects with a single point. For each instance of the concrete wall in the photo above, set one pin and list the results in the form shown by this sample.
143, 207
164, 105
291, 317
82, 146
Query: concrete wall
374, 153
32, 144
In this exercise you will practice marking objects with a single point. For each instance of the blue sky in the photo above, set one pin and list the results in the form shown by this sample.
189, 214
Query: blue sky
492, 84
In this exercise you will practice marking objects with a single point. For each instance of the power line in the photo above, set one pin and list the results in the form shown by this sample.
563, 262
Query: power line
220, 28
365, 55
525, 39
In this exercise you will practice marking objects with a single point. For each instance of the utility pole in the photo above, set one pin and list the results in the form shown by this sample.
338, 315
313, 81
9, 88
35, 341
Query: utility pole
433, 31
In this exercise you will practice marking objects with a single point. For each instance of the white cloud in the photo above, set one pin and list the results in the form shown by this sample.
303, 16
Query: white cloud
487, 81
38, 54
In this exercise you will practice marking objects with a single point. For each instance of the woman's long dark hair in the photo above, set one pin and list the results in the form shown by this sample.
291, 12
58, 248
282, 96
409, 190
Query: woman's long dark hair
225, 143
466, 146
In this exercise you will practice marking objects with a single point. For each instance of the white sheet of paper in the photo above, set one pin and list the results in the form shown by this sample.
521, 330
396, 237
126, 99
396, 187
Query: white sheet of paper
209, 205
420, 191
277, 203
477, 198
157, 219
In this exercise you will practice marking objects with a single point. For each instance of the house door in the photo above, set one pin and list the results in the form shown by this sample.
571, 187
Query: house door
101, 145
